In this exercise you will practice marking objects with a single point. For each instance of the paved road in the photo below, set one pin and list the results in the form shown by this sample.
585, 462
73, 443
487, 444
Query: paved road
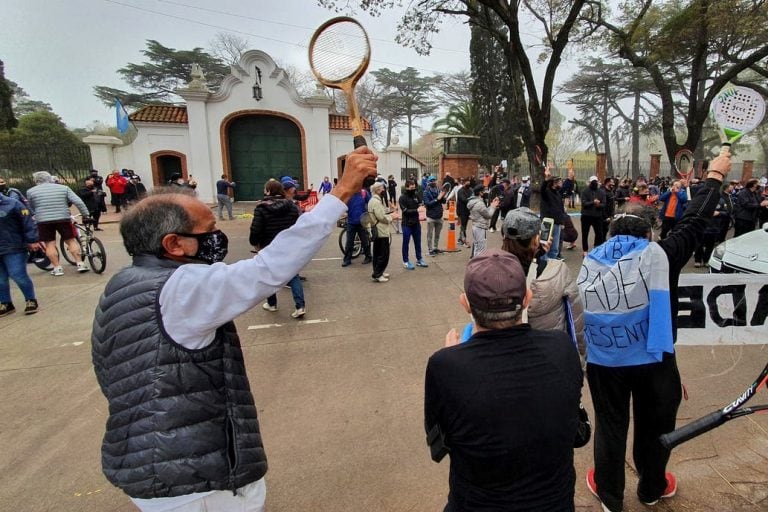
339, 396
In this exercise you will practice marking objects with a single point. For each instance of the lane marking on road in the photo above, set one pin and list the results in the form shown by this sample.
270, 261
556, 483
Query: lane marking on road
305, 322
327, 259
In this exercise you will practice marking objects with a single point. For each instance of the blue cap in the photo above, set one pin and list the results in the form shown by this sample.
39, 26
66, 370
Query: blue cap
288, 182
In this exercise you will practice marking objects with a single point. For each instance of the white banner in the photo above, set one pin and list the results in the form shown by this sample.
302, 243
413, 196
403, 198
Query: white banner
722, 309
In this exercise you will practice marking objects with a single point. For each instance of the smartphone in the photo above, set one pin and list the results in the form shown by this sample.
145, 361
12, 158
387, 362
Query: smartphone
547, 226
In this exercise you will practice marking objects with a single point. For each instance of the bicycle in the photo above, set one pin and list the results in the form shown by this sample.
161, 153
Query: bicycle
357, 247
91, 248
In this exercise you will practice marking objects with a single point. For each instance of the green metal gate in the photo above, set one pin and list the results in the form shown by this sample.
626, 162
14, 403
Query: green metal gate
263, 147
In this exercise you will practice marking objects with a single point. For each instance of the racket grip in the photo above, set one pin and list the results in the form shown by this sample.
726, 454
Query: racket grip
725, 148
693, 429
358, 141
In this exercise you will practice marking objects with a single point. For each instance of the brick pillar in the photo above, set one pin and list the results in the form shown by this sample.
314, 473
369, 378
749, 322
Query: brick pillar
655, 165
600, 167
746, 170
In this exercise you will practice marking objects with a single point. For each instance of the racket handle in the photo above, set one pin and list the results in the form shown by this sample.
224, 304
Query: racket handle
725, 148
693, 429
358, 141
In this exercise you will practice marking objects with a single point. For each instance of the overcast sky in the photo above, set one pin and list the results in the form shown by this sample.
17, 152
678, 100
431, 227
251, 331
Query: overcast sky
58, 50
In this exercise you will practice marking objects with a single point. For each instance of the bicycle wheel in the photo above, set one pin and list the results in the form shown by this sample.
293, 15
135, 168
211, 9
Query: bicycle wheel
40, 260
64, 251
357, 247
97, 255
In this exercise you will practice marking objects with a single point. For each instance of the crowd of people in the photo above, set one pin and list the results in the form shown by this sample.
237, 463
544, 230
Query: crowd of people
536, 328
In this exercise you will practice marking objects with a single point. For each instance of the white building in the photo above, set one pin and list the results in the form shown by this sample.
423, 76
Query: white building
255, 127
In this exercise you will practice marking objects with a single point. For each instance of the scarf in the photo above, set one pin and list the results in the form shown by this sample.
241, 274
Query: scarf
624, 286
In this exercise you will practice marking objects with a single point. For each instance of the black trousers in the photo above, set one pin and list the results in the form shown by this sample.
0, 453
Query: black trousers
380, 255
494, 218
742, 226
667, 223
656, 392
705, 247
95, 215
595, 223
464, 221
358, 229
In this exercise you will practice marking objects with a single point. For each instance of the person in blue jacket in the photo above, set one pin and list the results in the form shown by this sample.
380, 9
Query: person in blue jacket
18, 232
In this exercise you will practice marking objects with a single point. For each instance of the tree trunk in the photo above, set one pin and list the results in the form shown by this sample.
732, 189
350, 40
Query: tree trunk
636, 137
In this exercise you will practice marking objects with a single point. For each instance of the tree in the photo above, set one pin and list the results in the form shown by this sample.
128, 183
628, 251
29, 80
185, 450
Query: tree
560, 22
228, 48
7, 119
690, 51
454, 88
461, 119
157, 79
492, 93
407, 93
23, 104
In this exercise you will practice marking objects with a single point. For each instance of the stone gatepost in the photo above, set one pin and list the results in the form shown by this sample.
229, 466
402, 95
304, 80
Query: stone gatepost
655, 166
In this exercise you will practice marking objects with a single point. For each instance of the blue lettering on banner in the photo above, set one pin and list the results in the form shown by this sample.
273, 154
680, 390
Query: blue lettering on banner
615, 338
617, 282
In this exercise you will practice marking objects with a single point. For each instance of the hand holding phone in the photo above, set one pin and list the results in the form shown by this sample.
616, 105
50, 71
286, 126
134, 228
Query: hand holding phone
547, 227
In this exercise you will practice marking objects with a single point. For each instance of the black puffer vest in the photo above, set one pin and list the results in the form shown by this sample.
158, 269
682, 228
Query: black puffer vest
180, 421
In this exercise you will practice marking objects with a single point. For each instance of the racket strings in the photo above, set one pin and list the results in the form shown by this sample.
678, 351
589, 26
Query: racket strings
743, 110
339, 52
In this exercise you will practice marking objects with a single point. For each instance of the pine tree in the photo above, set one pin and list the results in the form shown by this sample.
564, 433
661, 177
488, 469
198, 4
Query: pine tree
7, 119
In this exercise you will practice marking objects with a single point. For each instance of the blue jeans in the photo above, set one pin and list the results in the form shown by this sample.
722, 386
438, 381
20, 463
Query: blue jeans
14, 266
554, 249
296, 289
408, 232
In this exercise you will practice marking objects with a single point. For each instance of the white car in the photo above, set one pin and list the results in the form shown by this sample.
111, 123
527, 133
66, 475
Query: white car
747, 253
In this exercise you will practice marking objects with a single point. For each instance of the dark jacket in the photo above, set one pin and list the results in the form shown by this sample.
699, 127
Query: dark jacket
180, 421
746, 205
271, 216
588, 207
409, 207
433, 204
462, 198
357, 206
552, 203
17, 227
91, 197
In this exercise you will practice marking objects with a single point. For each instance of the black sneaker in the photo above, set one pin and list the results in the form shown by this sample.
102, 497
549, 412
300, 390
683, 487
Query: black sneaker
31, 307
367, 260
6, 308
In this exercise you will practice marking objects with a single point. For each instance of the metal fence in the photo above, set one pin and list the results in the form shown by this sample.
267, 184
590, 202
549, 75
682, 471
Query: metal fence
70, 163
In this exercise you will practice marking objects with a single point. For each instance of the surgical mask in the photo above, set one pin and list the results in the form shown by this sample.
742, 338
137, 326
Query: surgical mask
212, 247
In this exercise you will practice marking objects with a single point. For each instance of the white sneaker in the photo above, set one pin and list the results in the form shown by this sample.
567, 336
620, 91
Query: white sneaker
381, 279
57, 271
82, 267
385, 274
268, 307
298, 313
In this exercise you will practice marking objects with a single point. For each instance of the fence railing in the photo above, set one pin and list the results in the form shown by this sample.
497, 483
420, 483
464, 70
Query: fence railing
70, 163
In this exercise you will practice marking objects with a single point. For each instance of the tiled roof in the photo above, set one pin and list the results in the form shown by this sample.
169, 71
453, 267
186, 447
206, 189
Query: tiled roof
339, 122
178, 114
160, 114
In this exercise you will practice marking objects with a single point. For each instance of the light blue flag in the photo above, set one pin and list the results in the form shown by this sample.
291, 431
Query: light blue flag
122, 117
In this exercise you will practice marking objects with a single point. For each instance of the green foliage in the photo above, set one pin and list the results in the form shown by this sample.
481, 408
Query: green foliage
165, 70
406, 95
7, 119
461, 119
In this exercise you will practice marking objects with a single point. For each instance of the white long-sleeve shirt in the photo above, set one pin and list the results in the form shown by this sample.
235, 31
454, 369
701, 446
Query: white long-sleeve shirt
197, 299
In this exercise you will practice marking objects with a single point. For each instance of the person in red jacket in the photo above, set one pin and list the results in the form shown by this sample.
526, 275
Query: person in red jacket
116, 183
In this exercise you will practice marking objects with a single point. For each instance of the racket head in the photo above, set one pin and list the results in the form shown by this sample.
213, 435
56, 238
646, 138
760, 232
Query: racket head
737, 111
339, 52
446, 187
684, 163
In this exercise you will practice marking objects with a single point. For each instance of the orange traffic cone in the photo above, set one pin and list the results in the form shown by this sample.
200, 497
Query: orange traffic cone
451, 243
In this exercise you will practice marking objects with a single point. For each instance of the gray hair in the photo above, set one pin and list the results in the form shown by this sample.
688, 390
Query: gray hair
496, 319
161, 213
377, 187
42, 177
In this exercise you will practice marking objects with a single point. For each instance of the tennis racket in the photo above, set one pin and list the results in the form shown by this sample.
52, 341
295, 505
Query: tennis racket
713, 420
339, 53
737, 111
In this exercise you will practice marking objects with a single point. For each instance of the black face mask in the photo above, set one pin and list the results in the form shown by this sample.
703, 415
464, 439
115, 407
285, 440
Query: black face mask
410, 192
593, 185
212, 247
3, 189
643, 196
